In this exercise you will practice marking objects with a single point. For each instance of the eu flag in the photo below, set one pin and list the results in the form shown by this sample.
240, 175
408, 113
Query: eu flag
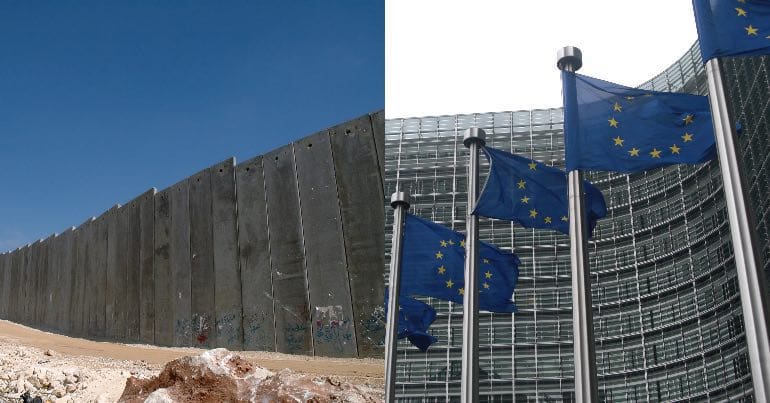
732, 28
433, 265
609, 127
414, 319
532, 194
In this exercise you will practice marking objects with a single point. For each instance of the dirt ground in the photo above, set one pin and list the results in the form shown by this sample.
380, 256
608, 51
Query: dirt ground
99, 369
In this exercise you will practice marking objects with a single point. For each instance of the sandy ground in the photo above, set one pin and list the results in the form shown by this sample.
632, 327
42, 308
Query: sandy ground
101, 368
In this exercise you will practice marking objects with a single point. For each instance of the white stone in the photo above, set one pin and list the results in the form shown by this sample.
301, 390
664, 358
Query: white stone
159, 396
69, 380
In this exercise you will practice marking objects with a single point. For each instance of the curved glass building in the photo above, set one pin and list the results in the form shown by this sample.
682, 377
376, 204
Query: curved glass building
667, 313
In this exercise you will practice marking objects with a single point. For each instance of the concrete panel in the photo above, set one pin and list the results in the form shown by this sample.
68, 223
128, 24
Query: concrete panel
180, 262
146, 267
292, 315
91, 281
360, 191
17, 304
44, 275
117, 251
112, 278
254, 254
132, 275
5, 284
164, 299
79, 272
227, 293
31, 276
53, 284
330, 305
30, 282
202, 261
67, 259
97, 311
44, 280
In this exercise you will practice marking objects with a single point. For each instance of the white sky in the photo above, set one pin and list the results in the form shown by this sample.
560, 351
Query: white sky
452, 56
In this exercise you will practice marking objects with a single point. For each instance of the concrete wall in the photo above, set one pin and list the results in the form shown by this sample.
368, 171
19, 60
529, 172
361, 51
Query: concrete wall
283, 252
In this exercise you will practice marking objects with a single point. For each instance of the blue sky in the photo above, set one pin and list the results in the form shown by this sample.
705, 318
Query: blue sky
102, 100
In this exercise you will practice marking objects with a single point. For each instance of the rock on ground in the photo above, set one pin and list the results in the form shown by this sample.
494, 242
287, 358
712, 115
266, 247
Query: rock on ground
220, 375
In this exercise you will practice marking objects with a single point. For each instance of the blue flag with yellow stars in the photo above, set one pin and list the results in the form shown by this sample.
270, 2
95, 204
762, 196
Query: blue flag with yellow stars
732, 27
532, 194
414, 319
609, 127
433, 265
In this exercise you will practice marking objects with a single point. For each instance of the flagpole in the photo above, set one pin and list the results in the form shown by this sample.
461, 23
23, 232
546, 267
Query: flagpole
751, 276
570, 59
473, 139
400, 203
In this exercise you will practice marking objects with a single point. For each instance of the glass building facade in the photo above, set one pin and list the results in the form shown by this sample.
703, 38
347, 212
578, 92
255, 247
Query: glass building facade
667, 314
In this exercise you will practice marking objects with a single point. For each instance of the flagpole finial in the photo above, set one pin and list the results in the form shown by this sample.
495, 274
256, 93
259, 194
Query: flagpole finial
569, 58
399, 198
474, 135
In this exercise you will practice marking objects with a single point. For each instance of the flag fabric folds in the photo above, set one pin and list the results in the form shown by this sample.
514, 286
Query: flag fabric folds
732, 27
433, 264
532, 194
609, 127
414, 319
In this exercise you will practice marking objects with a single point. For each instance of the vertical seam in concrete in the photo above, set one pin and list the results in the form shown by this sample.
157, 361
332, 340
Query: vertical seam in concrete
152, 198
344, 244
380, 164
304, 250
215, 319
269, 254
237, 246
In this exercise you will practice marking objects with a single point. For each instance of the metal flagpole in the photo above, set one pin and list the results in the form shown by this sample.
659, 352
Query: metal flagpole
400, 203
751, 277
570, 59
473, 139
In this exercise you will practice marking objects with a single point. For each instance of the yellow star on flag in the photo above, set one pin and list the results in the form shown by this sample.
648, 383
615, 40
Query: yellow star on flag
532, 165
525, 200
532, 213
443, 243
674, 149
687, 137
449, 283
488, 274
486, 285
618, 141
439, 255
485, 260
617, 107
655, 153
461, 291
522, 184
630, 98
462, 243
688, 119
547, 220
613, 122
750, 30
741, 12
634, 152
441, 270
451, 242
